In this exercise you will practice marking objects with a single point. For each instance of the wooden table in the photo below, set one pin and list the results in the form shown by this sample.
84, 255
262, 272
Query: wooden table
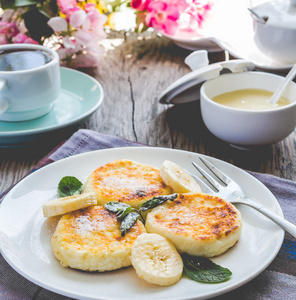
133, 72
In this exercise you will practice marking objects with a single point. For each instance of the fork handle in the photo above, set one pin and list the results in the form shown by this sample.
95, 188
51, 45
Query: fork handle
283, 223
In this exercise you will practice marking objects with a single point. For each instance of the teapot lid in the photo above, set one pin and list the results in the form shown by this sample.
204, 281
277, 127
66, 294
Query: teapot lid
278, 13
186, 89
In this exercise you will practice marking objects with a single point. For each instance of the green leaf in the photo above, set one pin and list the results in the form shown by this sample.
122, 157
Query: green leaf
122, 214
125, 213
128, 215
119, 208
19, 3
116, 207
156, 201
202, 269
128, 222
50, 8
6, 4
69, 186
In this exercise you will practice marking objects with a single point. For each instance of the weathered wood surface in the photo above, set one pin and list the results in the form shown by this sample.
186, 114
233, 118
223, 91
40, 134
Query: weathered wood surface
133, 72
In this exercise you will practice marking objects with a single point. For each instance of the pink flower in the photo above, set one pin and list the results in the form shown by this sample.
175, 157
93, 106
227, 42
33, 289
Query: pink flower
96, 19
21, 38
83, 37
69, 43
71, 56
9, 29
89, 7
3, 40
140, 4
80, 33
66, 5
3, 26
77, 18
71, 11
180, 4
197, 11
163, 16
89, 27
58, 24
66, 53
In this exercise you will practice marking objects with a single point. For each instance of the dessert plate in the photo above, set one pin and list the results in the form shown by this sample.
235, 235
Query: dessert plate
80, 96
25, 234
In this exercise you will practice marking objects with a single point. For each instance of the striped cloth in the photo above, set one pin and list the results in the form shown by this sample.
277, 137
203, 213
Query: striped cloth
278, 281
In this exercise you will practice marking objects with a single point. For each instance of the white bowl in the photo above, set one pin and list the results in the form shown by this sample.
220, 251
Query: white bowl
277, 37
246, 128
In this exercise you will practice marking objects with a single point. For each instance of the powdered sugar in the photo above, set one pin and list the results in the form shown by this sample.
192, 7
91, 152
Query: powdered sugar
131, 184
85, 225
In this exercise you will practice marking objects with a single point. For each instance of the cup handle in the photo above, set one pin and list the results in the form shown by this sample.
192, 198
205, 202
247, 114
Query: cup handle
3, 102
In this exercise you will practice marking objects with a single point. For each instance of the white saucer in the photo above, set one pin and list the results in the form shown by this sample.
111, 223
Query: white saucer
81, 95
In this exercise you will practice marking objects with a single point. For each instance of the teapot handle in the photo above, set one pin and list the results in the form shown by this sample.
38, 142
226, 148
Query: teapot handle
3, 102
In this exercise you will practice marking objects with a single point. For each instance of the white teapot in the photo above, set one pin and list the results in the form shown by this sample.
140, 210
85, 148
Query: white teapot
275, 30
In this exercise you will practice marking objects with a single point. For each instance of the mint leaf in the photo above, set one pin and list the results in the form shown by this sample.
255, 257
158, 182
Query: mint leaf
69, 186
125, 213
122, 214
116, 207
158, 200
128, 215
202, 269
129, 220
119, 208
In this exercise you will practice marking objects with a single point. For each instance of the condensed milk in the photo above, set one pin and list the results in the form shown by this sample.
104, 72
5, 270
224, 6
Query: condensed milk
249, 99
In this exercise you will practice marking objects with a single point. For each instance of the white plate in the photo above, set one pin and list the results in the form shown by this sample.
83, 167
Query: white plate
80, 96
228, 26
25, 234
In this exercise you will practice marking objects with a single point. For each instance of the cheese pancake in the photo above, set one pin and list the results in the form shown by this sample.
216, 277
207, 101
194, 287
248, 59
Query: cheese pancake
198, 224
126, 181
90, 240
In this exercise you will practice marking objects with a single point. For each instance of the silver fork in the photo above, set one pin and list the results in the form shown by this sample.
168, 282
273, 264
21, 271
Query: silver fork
232, 192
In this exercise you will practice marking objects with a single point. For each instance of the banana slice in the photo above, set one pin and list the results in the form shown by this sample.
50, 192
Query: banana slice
156, 259
67, 204
177, 178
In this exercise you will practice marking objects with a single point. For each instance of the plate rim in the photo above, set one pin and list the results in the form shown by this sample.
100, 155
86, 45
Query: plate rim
21, 133
222, 291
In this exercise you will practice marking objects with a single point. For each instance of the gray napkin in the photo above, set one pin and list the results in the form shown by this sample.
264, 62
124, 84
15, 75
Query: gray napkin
278, 281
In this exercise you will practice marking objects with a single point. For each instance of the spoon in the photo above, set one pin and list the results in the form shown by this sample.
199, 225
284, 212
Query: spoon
257, 18
278, 93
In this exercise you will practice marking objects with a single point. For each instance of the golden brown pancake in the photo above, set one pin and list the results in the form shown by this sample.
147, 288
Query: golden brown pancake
126, 181
90, 239
197, 224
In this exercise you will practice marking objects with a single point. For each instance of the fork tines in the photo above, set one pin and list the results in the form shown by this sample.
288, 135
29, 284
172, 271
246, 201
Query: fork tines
216, 172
